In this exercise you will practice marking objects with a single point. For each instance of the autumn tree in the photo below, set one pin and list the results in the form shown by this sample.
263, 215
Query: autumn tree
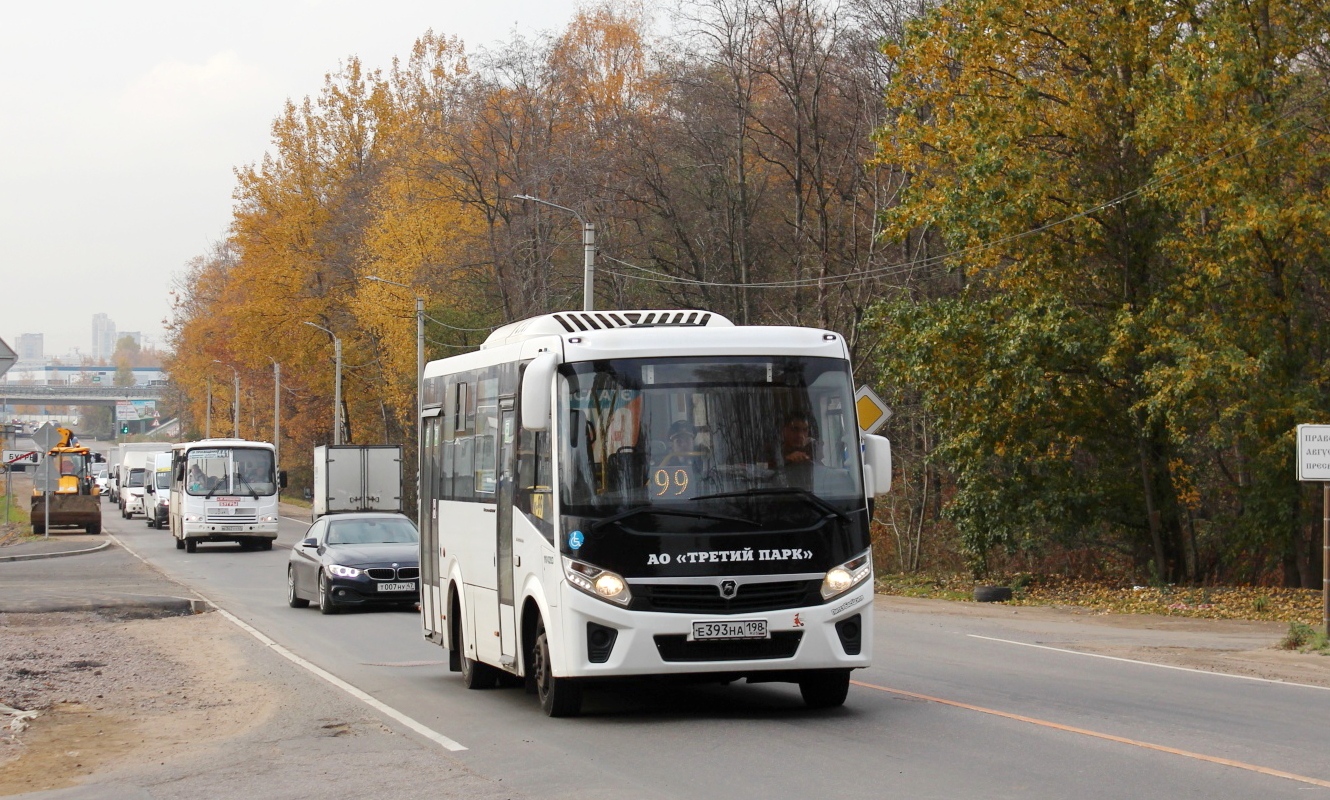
1130, 343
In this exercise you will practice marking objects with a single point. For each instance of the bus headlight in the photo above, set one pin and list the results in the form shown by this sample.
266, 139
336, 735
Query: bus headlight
268, 518
597, 582
193, 518
842, 579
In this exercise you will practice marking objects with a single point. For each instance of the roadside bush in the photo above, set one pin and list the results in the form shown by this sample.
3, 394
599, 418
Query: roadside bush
1304, 637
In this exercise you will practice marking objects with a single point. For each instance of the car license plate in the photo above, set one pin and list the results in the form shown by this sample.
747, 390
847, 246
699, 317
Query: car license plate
397, 587
730, 629
226, 528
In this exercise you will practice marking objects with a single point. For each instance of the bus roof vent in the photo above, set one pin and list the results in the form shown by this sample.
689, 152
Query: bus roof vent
581, 321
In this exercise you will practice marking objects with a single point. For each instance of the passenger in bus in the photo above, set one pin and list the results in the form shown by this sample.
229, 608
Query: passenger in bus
197, 480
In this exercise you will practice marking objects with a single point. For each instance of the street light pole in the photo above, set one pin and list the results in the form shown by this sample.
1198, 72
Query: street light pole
276, 412
420, 385
236, 395
337, 383
588, 251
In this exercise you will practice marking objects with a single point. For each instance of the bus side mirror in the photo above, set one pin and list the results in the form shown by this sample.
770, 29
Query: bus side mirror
281, 478
536, 382
877, 464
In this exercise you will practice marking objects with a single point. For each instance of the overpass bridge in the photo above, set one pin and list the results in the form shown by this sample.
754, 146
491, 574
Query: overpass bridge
68, 395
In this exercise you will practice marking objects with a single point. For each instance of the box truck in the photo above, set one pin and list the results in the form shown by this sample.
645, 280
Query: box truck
357, 478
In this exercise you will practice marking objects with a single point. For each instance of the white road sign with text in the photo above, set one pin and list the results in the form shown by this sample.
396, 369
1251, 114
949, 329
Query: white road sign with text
1314, 452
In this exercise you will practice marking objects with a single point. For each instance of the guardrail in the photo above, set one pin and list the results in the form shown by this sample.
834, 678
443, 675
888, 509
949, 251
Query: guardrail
72, 395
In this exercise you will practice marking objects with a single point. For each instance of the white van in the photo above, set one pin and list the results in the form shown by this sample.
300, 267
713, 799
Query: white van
136, 460
157, 491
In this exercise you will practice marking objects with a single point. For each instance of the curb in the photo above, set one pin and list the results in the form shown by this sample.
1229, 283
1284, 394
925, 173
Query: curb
149, 606
34, 556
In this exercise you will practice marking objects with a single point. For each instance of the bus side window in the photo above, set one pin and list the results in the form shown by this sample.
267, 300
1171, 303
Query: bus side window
535, 494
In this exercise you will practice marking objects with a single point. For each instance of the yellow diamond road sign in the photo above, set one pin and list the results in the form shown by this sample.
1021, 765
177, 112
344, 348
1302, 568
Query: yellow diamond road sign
872, 412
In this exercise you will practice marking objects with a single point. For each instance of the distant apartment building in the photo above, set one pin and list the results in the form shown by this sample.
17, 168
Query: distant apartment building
103, 337
30, 347
136, 336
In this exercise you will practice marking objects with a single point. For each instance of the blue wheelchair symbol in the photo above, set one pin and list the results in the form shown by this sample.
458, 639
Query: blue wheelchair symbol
575, 540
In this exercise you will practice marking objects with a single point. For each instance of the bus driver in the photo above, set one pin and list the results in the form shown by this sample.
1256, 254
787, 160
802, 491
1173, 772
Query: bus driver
683, 444
796, 451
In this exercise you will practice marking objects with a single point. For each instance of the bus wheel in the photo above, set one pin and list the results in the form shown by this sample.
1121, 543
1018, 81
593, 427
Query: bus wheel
825, 689
180, 544
191, 545
559, 697
475, 675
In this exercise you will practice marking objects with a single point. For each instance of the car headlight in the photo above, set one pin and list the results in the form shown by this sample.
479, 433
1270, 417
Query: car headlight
597, 582
192, 518
845, 577
341, 571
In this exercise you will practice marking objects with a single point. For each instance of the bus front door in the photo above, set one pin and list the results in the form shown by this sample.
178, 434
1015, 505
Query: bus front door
505, 561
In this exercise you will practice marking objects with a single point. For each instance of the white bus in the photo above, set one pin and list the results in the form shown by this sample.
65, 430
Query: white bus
610, 494
224, 490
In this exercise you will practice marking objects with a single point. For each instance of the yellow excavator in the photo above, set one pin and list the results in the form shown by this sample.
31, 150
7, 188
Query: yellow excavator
75, 500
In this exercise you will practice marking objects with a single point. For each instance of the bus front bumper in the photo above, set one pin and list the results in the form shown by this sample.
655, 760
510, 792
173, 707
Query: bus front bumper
214, 532
605, 640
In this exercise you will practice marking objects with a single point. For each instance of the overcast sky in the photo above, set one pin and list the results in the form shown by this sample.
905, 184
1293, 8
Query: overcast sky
121, 122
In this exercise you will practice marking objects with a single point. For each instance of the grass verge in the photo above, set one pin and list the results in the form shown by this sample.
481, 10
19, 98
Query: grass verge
1266, 603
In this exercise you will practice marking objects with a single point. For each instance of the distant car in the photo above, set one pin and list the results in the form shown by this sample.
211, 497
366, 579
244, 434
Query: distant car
102, 475
356, 561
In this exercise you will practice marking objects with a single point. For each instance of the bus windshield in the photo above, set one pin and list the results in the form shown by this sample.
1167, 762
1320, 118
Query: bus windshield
230, 471
675, 433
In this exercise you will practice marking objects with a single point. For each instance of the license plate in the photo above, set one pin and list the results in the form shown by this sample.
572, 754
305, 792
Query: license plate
730, 629
226, 528
397, 587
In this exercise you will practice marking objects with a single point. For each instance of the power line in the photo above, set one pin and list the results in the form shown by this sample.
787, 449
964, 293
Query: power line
1195, 166
455, 328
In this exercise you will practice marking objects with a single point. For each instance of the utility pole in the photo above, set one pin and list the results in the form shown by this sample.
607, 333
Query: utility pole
207, 423
420, 385
236, 391
276, 413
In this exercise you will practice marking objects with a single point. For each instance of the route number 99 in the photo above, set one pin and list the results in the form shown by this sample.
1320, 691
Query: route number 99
670, 482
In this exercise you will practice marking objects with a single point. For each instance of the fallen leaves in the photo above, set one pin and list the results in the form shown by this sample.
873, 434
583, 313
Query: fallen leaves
1210, 602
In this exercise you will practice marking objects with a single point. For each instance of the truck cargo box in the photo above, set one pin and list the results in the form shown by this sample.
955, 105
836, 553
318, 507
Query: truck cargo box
357, 478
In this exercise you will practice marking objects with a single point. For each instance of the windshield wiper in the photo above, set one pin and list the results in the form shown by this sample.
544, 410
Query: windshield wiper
253, 493
806, 495
668, 512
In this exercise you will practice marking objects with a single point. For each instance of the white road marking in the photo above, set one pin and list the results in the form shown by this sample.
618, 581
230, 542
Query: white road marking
301, 521
1149, 663
367, 699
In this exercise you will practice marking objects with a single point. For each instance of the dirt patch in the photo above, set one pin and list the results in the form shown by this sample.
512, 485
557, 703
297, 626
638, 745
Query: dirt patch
113, 692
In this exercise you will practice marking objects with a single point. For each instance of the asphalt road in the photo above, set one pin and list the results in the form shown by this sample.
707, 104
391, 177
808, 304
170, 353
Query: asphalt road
949, 710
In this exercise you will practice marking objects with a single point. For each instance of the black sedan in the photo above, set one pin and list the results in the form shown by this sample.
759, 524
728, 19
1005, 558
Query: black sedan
356, 560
